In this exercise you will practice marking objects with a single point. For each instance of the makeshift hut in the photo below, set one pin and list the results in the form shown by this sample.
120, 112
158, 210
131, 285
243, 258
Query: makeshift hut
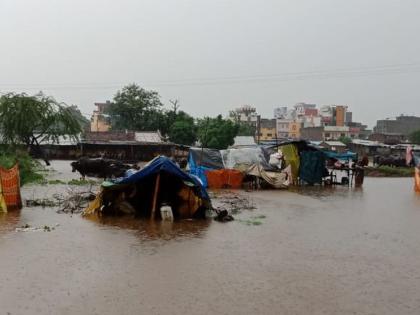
253, 162
160, 184
10, 198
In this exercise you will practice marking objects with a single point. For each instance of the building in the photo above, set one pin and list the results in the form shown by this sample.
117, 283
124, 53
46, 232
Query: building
388, 138
312, 121
245, 114
303, 109
369, 148
267, 130
349, 118
283, 128
336, 146
127, 136
403, 125
326, 114
99, 121
339, 115
312, 133
280, 112
294, 129
336, 132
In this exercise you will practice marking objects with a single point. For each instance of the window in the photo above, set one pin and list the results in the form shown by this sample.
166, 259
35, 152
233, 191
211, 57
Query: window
269, 135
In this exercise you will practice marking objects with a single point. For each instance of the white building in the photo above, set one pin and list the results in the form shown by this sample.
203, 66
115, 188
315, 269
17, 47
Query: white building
336, 132
312, 121
280, 112
302, 107
245, 114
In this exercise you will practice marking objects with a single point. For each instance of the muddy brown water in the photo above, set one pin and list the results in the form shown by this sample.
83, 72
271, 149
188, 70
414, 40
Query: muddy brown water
308, 251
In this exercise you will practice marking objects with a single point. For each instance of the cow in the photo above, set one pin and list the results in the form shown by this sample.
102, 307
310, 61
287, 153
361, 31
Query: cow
99, 167
392, 161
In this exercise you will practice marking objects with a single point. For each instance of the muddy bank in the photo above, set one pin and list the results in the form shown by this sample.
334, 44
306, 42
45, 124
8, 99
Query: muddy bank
315, 251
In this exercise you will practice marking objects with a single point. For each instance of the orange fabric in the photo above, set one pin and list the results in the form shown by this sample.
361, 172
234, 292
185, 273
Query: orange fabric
10, 184
224, 179
417, 180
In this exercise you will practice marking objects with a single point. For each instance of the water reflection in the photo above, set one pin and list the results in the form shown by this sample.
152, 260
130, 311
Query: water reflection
147, 230
326, 193
9, 221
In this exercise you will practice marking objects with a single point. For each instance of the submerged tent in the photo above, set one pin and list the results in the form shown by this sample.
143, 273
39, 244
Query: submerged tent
159, 183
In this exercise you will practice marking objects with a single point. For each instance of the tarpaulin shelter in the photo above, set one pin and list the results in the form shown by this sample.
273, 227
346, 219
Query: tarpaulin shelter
10, 198
226, 178
161, 182
201, 160
312, 167
275, 179
345, 156
244, 158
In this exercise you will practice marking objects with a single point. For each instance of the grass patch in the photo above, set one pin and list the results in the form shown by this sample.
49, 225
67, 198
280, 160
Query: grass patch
254, 220
388, 171
82, 182
56, 182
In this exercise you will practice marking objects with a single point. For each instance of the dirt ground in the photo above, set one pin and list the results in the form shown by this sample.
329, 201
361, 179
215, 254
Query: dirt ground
304, 251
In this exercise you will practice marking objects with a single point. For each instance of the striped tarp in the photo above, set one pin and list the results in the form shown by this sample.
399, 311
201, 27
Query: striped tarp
10, 184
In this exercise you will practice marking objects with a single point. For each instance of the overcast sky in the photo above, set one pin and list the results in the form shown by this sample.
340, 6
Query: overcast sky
217, 55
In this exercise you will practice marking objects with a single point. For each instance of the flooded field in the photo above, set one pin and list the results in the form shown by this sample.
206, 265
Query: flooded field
308, 251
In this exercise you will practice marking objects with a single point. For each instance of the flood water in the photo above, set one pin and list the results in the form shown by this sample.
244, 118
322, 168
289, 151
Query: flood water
308, 251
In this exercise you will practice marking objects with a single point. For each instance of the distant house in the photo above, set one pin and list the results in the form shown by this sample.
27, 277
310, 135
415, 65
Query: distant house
367, 147
267, 129
388, 138
128, 145
99, 121
335, 146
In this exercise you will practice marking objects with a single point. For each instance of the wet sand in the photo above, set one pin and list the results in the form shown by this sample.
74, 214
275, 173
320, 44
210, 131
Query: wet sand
313, 251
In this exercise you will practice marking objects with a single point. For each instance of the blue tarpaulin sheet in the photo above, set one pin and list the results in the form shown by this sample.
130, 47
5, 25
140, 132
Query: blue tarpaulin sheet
202, 160
163, 164
340, 156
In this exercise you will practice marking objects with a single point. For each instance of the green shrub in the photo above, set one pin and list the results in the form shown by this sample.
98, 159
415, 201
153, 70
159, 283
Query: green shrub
28, 167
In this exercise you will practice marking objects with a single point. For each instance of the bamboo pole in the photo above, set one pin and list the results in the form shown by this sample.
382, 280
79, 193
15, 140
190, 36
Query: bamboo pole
155, 196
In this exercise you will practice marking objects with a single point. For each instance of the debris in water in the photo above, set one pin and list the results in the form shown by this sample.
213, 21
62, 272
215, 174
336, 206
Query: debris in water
28, 228
223, 216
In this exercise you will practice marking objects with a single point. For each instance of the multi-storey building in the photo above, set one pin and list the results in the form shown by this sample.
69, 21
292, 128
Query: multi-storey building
283, 128
99, 121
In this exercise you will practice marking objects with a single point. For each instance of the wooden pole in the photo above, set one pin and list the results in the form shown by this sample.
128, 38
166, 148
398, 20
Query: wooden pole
155, 196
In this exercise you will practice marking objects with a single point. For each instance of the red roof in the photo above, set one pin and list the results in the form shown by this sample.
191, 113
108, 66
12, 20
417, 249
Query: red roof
311, 112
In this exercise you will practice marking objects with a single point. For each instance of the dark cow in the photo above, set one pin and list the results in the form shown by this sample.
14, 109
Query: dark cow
99, 167
393, 161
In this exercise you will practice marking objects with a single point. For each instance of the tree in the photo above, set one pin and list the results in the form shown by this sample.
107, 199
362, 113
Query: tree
32, 120
217, 133
135, 108
246, 130
345, 140
83, 121
183, 130
415, 137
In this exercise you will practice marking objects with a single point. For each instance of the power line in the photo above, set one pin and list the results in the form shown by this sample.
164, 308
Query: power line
290, 76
